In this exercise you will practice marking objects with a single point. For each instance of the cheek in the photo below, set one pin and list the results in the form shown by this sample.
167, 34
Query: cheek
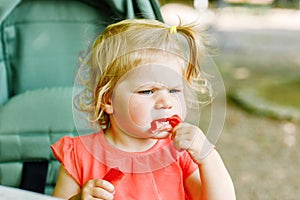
181, 106
139, 111
130, 115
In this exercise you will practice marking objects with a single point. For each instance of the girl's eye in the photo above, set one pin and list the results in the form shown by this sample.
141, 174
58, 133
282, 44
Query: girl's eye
174, 91
145, 92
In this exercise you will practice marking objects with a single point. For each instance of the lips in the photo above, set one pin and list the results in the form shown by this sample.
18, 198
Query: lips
165, 124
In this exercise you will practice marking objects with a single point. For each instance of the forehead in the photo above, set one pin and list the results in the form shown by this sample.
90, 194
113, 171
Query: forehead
163, 59
152, 74
150, 67
156, 73
160, 62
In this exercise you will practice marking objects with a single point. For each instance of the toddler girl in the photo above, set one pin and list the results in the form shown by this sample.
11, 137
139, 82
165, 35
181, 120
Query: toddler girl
141, 85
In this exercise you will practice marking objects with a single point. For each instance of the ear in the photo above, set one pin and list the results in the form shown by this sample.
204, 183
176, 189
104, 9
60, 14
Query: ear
108, 107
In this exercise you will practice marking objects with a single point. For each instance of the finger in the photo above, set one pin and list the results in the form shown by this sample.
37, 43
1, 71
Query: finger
182, 145
188, 135
184, 137
183, 134
101, 193
104, 184
182, 142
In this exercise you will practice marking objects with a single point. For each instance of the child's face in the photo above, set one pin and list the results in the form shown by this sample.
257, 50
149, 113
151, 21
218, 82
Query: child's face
148, 92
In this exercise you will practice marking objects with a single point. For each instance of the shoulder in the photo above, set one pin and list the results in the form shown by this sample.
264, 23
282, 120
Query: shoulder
68, 146
71, 140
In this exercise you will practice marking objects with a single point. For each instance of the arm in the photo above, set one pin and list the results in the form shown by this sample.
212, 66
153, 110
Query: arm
214, 180
66, 187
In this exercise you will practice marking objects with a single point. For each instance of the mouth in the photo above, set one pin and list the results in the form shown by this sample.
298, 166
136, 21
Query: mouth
160, 125
165, 124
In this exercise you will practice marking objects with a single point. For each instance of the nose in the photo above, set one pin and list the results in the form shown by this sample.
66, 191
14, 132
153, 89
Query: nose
163, 101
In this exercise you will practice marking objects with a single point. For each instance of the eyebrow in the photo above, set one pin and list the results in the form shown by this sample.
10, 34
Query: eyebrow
159, 85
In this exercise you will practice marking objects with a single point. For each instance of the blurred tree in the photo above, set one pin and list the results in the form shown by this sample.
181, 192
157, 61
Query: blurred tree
286, 3
186, 2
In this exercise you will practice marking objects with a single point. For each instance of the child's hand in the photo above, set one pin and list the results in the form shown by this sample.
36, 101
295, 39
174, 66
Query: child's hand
97, 189
189, 137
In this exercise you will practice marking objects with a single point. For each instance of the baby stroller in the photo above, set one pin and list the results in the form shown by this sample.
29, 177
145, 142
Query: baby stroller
40, 43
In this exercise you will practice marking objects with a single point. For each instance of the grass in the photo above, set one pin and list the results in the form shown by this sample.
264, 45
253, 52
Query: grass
287, 94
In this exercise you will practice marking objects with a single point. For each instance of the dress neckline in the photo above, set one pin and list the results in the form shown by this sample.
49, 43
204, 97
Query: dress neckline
160, 155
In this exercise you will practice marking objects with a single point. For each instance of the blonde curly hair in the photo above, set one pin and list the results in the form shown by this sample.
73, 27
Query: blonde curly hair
129, 43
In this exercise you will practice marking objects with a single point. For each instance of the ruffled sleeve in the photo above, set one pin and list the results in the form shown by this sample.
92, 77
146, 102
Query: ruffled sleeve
64, 152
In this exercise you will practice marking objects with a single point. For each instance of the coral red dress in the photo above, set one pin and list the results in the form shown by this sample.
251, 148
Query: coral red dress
158, 173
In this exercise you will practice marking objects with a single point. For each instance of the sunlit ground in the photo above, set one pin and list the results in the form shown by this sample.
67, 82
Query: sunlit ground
262, 156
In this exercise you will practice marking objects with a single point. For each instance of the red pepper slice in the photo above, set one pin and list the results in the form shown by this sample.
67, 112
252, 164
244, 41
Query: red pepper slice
174, 120
114, 176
